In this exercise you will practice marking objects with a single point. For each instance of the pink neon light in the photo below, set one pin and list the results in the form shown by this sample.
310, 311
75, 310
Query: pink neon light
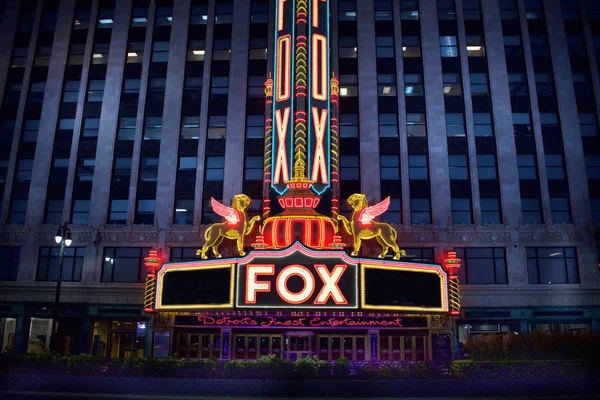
281, 164
319, 165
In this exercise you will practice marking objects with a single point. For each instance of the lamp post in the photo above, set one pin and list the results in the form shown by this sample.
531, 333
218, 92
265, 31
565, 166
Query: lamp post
63, 237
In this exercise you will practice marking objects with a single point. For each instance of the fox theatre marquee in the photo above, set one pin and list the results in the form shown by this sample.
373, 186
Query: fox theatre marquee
293, 289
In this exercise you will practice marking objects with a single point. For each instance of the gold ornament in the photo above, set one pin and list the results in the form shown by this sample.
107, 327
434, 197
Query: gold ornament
362, 226
236, 225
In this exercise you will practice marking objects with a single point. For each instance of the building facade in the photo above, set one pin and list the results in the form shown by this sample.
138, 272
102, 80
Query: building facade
479, 118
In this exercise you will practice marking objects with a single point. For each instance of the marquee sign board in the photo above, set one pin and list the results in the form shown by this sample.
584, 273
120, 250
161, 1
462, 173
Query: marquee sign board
301, 278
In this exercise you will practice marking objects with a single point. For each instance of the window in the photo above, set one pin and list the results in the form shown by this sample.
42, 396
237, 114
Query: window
7, 130
512, 46
413, 85
253, 170
385, 46
526, 165
486, 166
347, 47
533, 9
475, 45
9, 263
126, 128
131, 86
54, 210
508, 9
179, 254
386, 85
256, 86
485, 265
255, 126
184, 212
348, 85
471, 9
411, 46
199, 14
66, 125
548, 265
224, 13
91, 127
490, 211
13, 93
95, 91
30, 130
164, 16
539, 46
592, 166
156, 89
483, 124
105, 18
417, 167
522, 125
415, 125
76, 54
446, 9
455, 124
424, 255
100, 53
196, 50
347, 10
570, 11
18, 210
221, 49
561, 212
70, 92
49, 260
383, 10
118, 212
388, 125
389, 167
259, 13
214, 168
152, 128
517, 84
160, 52
42, 56
532, 212
448, 47
144, 213
479, 84
135, 52
82, 19
420, 211
190, 127
219, 88
81, 212
36, 93
393, 215
595, 202
458, 167
555, 168
549, 122
348, 125
24, 170
461, 211
349, 168
217, 126
582, 85
60, 169
544, 85
187, 169
139, 17
409, 9
452, 84
192, 90
85, 169
19, 57
148, 169
122, 170
587, 124
124, 264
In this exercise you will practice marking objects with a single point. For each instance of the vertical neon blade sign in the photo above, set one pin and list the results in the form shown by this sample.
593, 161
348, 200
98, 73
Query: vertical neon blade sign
283, 95
319, 145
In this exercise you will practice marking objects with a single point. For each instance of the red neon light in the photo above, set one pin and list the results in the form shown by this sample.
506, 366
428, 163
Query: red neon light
319, 165
283, 71
289, 202
319, 67
152, 262
298, 202
280, 14
308, 202
281, 164
300, 322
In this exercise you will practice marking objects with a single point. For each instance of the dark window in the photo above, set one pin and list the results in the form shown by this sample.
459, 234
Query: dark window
532, 211
156, 89
91, 127
196, 50
152, 128
479, 84
561, 212
80, 212
124, 264
135, 52
54, 210
192, 89
533, 9
255, 126
455, 124
349, 168
452, 84
526, 166
24, 170
118, 212
76, 52
348, 125
179, 254
388, 125
512, 46
595, 203
42, 56
190, 127
416, 125
393, 215
49, 260
30, 130
164, 16
389, 167
587, 124
409, 9
9, 263
508, 9
149, 169
18, 210
490, 210
144, 213
139, 17
486, 265
544, 85
592, 166
131, 86
19, 57
383, 10
217, 126
413, 85
486, 166
184, 211
517, 84
458, 167
424, 255
384, 46
126, 128
85, 169
160, 51
214, 169
548, 265
347, 47
70, 92
555, 168
461, 211
446, 9
471, 9
522, 125
417, 167
347, 10
95, 91
420, 211
253, 170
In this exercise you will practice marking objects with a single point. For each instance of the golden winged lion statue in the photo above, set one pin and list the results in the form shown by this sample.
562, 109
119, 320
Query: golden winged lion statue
236, 225
363, 227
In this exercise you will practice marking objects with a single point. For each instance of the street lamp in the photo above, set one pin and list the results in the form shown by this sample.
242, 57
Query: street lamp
63, 237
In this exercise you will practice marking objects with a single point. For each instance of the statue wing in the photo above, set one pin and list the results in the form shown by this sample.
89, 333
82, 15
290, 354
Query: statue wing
369, 213
230, 214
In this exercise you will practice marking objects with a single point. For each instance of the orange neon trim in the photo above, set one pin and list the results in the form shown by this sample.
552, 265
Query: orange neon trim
283, 89
281, 164
315, 11
319, 67
319, 165
280, 7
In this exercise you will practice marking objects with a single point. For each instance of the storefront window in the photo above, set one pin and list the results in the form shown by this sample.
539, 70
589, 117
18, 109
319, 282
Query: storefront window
39, 335
7, 334
564, 329
118, 339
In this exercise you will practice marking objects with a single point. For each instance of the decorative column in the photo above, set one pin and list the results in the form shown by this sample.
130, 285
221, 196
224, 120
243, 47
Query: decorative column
153, 262
451, 265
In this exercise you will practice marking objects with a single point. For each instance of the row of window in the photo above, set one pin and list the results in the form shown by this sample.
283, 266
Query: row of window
486, 265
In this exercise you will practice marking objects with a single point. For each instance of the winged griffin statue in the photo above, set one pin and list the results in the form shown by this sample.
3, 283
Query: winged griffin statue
236, 225
363, 227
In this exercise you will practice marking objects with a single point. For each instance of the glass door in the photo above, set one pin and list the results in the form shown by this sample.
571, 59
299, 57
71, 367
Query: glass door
252, 347
332, 347
195, 345
403, 348
299, 346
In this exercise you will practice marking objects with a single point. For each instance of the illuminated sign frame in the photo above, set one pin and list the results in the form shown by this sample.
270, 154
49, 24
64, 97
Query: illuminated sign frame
193, 266
431, 269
